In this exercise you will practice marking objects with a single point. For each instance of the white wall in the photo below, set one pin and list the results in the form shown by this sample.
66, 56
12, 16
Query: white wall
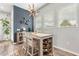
66, 38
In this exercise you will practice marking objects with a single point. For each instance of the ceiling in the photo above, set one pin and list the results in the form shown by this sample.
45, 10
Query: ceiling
7, 7
25, 6
61, 5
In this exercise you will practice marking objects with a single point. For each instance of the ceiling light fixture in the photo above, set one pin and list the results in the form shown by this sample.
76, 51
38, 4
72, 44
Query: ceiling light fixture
32, 9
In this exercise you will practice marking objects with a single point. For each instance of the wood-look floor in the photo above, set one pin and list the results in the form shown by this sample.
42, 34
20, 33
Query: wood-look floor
9, 49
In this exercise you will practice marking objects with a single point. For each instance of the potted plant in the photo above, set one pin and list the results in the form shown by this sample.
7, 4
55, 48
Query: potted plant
6, 28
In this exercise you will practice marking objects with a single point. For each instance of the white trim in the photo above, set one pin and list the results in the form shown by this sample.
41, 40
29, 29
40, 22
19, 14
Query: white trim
12, 36
77, 54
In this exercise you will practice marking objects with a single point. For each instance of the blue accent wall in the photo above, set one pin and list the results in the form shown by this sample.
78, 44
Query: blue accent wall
22, 19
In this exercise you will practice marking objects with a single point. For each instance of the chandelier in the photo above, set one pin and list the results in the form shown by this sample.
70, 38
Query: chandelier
32, 9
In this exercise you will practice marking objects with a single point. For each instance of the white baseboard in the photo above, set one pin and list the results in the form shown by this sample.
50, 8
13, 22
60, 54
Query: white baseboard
77, 54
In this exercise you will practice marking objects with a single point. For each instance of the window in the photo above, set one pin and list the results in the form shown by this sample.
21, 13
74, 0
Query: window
68, 16
1, 36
